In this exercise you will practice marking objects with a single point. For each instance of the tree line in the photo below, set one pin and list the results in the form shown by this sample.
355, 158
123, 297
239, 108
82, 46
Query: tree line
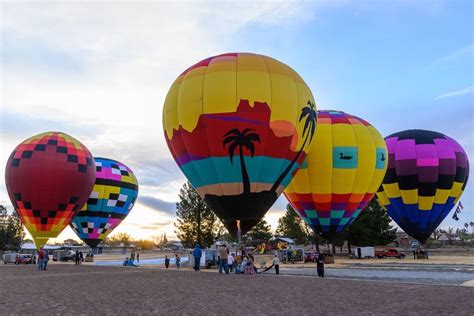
197, 223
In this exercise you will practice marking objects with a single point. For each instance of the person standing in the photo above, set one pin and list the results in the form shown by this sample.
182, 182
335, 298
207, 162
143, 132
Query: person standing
167, 262
276, 264
197, 254
230, 263
40, 258
223, 254
46, 259
138, 257
177, 261
81, 257
76, 257
320, 265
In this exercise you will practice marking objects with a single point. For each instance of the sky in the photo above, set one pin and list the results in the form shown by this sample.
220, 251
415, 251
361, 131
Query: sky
100, 70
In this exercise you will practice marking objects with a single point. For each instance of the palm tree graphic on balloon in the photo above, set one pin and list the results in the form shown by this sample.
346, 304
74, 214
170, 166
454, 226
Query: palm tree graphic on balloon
241, 140
245, 140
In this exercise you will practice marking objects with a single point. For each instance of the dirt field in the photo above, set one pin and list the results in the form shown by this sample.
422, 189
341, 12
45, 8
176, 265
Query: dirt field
89, 289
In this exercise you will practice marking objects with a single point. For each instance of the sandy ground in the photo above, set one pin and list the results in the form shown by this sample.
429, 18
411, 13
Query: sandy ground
89, 289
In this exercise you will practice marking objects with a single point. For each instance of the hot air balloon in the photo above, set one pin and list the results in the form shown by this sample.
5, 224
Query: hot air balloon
342, 172
112, 198
427, 173
49, 178
238, 125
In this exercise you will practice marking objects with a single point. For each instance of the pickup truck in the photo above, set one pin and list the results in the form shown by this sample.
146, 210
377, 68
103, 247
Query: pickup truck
389, 253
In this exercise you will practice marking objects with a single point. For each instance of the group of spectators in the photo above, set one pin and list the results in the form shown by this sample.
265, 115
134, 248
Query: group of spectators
227, 262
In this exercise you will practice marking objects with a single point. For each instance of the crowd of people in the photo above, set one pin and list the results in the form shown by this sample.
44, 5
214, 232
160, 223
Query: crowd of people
227, 262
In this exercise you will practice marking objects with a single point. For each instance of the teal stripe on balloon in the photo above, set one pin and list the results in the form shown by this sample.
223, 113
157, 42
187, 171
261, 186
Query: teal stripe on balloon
259, 168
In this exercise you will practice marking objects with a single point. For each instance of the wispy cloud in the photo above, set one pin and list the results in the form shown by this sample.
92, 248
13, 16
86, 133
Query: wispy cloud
157, 204
456, 93
459, 53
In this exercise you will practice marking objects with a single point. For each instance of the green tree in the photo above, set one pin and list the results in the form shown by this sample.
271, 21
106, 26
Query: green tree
261, 231
11, 230
371, 228
291, 225
196, 222
119, 238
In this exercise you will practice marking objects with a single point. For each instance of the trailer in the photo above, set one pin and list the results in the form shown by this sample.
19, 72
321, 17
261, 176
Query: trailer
363, 252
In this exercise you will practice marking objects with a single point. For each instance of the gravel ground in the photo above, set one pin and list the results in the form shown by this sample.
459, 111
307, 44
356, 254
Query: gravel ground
87, 289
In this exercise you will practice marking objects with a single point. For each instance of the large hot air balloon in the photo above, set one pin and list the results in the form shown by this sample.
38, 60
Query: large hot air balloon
239, 125
49, 178
344, 168
112, 198
427, 173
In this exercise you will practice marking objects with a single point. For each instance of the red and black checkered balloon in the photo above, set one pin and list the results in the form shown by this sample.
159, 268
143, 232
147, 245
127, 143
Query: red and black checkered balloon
49, 177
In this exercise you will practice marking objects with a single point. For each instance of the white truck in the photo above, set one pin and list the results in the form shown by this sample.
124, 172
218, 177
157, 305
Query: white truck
363, 252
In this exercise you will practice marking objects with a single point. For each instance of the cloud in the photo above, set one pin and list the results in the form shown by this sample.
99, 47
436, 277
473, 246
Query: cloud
157, 204
467, 50
456, 93
156, 225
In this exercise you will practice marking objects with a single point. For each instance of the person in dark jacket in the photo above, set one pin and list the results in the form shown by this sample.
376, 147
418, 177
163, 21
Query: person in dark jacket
320, 265
197, 254
167, 262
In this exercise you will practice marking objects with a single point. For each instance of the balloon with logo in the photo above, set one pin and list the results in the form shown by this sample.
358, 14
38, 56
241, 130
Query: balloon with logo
49, 178
112, 198
426, 175
342, 172
239, 125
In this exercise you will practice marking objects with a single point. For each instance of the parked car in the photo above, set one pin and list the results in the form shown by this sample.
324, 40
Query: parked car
64, 255
389, 253
24, 259
9, 258
310, 257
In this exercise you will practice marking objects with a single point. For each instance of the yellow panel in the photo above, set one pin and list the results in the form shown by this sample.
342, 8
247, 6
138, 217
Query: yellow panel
409, 196
300, 183
219, 94
170, 110
379, 174
382, 198
441, 196
343, 180
190, 99
425, 203
365, 159
456, 190
253, 80
392, 190
320, 160
284, 92
343, 135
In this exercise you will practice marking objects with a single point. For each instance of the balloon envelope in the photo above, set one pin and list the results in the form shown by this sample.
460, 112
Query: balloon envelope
49, 178
343, 170
426, 175
238, 125
112, 198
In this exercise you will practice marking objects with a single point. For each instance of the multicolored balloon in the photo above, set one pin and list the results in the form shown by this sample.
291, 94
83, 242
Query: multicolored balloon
112, 198
426, 176
343, 170
239, 125
49, 178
